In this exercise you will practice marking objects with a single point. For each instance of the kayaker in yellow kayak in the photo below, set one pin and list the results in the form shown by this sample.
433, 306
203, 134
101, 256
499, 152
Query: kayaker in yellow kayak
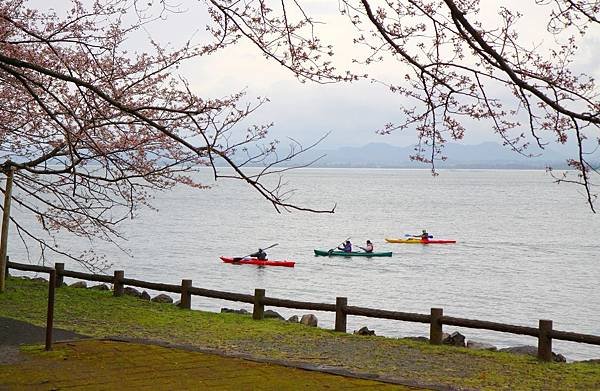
368, 248
424, 236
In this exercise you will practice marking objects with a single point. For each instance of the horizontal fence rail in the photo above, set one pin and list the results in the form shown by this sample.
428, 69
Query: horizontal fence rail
575, 337
29, 268
151, 285
384, 314
299, 305
231, 296
436, 319
494, 326
86, 276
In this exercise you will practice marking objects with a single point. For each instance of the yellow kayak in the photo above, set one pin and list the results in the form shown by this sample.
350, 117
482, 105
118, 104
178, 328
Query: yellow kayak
419, 241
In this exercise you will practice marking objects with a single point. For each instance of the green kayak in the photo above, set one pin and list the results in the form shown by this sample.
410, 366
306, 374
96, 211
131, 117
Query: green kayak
333, 253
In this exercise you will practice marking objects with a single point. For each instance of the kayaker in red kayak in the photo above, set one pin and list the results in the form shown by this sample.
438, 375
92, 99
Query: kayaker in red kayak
346, 247
368, 248
260, 254
425, 236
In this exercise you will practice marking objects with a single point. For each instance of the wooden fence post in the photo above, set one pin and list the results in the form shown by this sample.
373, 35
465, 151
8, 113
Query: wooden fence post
50, 313
186, 297
6, 273
119, 289
60, 268
5, 223
545, 340
340, 313
258, 311
435, 327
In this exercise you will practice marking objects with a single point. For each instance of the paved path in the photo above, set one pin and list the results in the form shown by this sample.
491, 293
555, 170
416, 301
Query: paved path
111, 365
14, 333
91, 364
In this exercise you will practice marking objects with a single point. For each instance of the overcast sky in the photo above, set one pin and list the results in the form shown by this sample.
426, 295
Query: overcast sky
350, 112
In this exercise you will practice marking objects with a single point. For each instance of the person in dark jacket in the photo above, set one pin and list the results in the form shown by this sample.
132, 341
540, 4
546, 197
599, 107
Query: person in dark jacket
260, 254
424, 236
346, 247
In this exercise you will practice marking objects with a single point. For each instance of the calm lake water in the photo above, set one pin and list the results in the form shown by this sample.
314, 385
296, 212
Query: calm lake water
527, 248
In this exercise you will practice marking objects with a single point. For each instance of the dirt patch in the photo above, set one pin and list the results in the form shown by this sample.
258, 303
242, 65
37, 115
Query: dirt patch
10, 355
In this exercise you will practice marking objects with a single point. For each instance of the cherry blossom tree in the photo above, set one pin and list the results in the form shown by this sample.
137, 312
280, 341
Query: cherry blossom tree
458, 69
90, 130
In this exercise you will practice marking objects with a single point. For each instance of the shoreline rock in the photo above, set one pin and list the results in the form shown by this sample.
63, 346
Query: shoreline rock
309, 320
364, 331
532, 351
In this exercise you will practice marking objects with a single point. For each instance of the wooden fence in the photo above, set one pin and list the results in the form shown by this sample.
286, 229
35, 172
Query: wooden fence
436, 318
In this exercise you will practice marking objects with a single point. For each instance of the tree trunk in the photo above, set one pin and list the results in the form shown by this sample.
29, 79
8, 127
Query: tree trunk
5, 221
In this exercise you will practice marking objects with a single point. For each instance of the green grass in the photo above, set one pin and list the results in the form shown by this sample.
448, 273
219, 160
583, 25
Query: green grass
98, 313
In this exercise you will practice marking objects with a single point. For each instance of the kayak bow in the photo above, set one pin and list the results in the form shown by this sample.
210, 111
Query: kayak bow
328, 253
259, 262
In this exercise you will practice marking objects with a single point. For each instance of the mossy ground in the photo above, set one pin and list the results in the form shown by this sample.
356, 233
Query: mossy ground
98, 313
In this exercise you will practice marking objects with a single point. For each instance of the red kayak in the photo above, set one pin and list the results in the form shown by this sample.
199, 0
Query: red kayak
259, 262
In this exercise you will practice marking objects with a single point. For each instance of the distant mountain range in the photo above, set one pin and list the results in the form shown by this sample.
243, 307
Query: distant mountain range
381, 155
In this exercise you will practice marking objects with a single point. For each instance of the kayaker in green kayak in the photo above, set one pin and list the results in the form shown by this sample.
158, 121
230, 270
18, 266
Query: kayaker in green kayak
368, 248
346, 247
